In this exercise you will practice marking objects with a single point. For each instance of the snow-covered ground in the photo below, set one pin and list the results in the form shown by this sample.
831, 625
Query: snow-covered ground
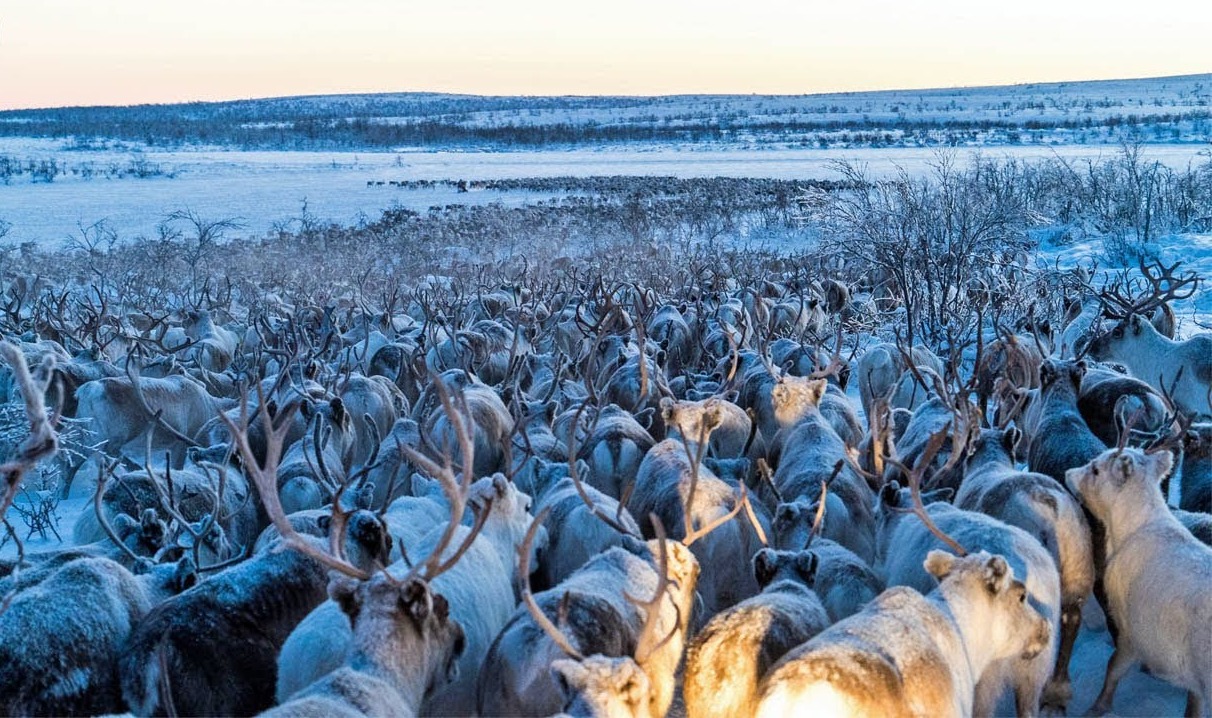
263, 188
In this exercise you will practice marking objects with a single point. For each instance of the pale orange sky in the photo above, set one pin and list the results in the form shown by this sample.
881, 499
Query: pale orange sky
84, 52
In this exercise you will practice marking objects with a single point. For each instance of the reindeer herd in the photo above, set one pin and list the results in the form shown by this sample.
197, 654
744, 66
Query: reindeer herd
598, 499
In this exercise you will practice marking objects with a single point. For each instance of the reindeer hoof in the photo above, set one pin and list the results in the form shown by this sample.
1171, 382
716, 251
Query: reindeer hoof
1055, 699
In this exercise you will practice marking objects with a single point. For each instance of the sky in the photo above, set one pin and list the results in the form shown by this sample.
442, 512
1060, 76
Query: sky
88, 52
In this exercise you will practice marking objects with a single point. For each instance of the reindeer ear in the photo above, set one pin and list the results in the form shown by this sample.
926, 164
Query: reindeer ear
890, 494
340, 417
1047, 372
441, 607
818, 390
996, 574
806, 564
1160, 463
500, 485
785, 513
667, 409
343, 590
566, 672
843, 376
417, 601
185, 575
1010, 439
765, 564
939, 564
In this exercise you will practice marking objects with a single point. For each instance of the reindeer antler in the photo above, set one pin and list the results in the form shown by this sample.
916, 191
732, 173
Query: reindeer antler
265, 478
647, 643
540, 618
937, 439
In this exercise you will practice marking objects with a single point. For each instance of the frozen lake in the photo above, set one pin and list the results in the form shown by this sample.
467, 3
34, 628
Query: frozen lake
263, 188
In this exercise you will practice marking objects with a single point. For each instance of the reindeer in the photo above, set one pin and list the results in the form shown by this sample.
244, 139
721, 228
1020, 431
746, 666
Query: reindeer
675, 486
732, 425
1180, 369
478, 588
372, 404
1156, 575
1112, 404
843, 581
1058, 438
212, 346
903, 543
1036, 504
491, 422
816, 454
728, 658
397, 620
119, 410
179, 657
881, 367
614, 449
82, 610
907, 654
595, 644
574, 535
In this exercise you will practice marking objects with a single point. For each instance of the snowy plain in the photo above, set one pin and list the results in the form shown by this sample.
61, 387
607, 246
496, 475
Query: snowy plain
265, 187
262, 188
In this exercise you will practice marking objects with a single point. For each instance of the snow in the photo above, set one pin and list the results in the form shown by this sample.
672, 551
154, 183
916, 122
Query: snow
264, 187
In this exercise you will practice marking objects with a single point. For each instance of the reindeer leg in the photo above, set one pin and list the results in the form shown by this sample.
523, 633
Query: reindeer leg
1059, 689
1194, 706
1121, 661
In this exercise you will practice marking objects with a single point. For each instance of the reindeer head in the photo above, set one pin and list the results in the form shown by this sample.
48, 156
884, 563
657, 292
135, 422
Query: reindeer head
983, 587
395, 623
1120, 481
692, 420
507, 511
994, 445
1060, 373
770, 565
793, 397
1121, 339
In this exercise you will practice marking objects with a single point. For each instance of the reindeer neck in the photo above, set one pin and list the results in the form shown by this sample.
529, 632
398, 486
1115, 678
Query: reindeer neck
397, 668
973, 630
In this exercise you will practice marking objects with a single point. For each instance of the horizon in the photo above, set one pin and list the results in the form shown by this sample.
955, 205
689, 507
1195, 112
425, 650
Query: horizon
76, 53
451, 93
